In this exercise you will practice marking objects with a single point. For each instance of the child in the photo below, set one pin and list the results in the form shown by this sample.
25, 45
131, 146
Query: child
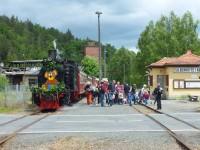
145, 96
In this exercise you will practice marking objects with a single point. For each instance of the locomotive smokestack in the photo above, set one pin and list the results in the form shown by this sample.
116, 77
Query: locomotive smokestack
52, 54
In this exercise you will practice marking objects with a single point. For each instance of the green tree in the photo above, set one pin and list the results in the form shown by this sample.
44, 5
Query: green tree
169, 36
75, 50
25, 40
121, 66
90, 66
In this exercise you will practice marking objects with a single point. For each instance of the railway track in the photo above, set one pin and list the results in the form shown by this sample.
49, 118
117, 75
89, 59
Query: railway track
189, 124
18, 118
180, 141
6, 138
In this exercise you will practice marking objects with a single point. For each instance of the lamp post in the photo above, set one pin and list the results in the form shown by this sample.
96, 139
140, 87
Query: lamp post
105, 63
99, 43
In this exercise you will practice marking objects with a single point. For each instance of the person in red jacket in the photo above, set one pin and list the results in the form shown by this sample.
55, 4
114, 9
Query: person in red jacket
103, 89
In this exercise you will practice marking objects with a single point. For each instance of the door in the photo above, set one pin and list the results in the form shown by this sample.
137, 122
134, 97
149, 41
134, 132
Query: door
163, 79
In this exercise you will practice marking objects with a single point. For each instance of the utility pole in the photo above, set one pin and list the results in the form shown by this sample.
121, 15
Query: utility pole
99, 43
131, 71
105, 62
124, 72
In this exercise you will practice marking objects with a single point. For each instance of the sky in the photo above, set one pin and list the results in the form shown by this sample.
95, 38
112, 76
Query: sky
122, 21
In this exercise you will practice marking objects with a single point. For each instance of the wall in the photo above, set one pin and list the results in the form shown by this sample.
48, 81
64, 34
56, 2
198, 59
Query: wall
173, 75
185, 76
92, 51
26, 79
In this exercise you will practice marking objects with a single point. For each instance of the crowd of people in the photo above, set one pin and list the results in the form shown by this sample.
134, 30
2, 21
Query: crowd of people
116, 93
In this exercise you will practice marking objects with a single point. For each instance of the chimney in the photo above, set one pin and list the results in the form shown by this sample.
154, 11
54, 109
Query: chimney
52, 54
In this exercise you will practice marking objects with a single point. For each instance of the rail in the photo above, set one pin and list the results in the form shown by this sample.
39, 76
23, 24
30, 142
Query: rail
173, 134
13, 134
157, 111
18, 118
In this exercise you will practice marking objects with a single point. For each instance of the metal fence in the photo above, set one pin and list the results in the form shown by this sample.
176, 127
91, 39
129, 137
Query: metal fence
15, 95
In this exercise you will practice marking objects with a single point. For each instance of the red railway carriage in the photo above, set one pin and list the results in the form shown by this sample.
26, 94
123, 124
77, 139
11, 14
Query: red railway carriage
83, 78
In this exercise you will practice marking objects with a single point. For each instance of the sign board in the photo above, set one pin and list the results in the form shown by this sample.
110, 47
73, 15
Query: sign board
187, 69
192, 84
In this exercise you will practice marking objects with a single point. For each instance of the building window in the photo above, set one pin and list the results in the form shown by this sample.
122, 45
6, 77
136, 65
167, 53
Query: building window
179, 84
187, 69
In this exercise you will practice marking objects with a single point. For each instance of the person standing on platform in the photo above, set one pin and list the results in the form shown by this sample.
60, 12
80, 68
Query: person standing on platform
105, 82
133, 90
102, 90
158, 93
111, 92
142, 94
120, 93
126, 90
130, 96
94, 93
88, 91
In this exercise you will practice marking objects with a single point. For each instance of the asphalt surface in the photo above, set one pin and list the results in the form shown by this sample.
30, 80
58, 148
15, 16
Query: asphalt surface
95, 127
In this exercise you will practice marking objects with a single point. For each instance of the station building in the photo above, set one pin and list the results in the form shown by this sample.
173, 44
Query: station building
178, 76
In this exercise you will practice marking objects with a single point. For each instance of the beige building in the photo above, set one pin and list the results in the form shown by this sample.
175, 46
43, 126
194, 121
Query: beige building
178, 76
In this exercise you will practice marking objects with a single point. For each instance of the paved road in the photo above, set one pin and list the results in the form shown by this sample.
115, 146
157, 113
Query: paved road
120, 125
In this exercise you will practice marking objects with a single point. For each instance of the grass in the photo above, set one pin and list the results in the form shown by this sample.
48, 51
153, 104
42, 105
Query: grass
2, 96
182, 97
9, 110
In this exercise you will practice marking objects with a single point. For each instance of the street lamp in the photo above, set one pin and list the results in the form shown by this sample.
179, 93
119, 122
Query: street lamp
99, 43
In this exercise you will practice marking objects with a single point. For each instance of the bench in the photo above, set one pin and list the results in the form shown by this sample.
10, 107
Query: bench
193, 98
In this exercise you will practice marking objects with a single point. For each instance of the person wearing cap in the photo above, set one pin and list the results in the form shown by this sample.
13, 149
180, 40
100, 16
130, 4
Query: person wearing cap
102, 90
158, 93
120, 93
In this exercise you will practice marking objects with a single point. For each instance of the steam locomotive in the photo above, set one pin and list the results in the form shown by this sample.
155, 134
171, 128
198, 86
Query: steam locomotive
60, 82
